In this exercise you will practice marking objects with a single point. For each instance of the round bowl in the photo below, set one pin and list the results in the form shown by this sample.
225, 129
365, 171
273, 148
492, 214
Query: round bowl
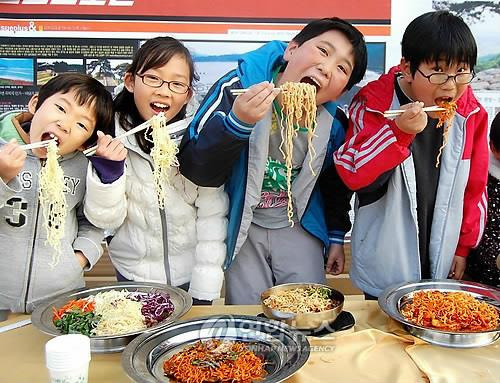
303, 321
42, 315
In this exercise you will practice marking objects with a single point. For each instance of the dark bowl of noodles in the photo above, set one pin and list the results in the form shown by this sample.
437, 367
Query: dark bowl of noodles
305, 306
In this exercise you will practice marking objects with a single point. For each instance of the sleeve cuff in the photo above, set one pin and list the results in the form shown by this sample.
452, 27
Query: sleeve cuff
90, 250
462, 251
237, 127
336, 237
404, 139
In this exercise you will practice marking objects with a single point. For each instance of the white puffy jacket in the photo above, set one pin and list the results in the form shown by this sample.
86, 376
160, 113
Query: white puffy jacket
182, 243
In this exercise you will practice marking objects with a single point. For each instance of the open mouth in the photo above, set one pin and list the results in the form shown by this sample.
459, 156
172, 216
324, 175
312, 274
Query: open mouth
49, 136
159, 107
311, 81
443, 100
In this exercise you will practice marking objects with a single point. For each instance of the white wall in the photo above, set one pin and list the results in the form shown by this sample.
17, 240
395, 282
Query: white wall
402, 13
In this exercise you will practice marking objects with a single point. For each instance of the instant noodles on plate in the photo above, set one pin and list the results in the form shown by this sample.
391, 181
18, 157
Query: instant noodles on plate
112, 315
447, 313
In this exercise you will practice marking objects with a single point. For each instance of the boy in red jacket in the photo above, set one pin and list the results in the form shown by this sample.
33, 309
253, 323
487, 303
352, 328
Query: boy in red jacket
421, 187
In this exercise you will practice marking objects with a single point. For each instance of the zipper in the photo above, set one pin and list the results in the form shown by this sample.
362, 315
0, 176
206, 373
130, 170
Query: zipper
163, 219
30, 267
438, 263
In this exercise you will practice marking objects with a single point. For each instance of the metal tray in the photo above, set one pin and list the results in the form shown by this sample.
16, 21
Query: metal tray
284, 350
394, 298
42, 315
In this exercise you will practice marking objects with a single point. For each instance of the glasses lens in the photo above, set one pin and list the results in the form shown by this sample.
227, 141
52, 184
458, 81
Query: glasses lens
178, 87
464, 78
438, 78
152, 80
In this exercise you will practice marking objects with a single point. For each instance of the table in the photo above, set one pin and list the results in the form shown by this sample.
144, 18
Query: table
376, 350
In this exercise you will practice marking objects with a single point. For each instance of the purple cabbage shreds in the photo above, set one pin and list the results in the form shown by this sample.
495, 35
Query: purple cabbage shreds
156, 306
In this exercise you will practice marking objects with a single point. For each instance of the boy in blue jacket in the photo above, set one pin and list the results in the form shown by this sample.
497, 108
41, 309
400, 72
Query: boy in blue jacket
236, 140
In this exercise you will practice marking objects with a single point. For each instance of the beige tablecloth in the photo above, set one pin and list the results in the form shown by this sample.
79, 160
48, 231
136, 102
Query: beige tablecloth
376, 350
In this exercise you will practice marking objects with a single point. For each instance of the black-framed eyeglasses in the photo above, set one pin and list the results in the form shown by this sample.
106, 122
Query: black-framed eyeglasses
442, 78
156, 82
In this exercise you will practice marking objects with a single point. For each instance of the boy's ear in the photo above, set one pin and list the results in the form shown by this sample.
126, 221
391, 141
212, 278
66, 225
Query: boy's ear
32, 103
404, 65
290, 49
129, 82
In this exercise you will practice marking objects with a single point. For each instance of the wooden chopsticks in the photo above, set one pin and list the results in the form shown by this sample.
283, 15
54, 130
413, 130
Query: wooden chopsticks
175, 130
397, 112
237, 92
39, 144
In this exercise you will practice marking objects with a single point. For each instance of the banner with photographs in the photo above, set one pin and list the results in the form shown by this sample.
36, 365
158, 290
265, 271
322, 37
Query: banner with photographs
45, 37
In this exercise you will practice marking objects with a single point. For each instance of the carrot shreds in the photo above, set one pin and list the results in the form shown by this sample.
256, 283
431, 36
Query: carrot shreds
451, 311
215, 361
84, 305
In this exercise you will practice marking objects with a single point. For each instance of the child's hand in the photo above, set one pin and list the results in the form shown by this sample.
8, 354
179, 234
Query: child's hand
413, 120
336, 257
81, 259
12, 159
252, 105
457, 267
109, 148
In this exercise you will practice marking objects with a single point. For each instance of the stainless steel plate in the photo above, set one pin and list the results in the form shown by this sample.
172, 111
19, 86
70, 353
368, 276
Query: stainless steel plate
283, 349
394, 298
42, 315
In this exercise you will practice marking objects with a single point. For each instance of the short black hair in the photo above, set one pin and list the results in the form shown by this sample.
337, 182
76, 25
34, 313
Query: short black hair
89, 92
495, 132
355, 37
154, 53
438, 35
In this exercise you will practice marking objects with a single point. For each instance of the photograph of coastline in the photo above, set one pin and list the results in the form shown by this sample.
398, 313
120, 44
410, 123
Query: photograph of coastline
14, 71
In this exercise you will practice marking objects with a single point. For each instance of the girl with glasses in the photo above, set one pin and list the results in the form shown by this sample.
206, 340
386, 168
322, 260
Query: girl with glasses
182, 244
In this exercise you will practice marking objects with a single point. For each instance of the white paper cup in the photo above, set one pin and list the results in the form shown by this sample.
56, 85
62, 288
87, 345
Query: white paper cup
67, 357
77, 374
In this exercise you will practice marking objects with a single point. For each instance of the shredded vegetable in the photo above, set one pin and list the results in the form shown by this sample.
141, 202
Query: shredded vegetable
113, 312
156, 307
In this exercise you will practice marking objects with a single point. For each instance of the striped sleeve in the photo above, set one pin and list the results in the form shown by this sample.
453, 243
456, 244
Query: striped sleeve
373, 146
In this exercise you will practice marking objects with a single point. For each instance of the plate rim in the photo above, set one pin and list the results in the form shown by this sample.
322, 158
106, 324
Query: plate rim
36, 315
128, 352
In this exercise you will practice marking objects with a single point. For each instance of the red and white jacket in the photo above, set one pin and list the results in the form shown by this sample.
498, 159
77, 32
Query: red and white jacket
375, 145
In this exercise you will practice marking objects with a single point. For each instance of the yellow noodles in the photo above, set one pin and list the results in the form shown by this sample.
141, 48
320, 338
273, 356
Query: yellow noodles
301, 300
119, 315
299, 107
53, 201
164, 155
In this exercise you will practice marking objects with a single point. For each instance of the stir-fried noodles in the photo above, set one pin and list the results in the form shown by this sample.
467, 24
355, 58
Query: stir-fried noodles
451, 311
215, 361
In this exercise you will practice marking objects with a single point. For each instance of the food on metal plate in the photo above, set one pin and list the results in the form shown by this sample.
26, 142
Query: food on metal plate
113, 313
215, 361
301, 300
451, 311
